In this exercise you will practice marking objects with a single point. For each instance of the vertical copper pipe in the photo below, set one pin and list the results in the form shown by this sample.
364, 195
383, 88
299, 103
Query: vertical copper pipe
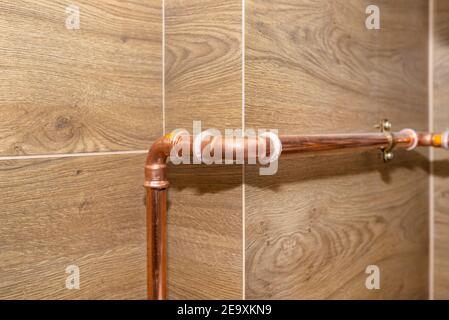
156, 243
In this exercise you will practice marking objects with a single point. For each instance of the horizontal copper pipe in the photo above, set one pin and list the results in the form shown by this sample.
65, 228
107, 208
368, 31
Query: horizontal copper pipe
317, 143
353, 142
156, 180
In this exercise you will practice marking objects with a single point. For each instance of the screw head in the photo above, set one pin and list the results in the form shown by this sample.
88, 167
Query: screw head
386, 125
388, 156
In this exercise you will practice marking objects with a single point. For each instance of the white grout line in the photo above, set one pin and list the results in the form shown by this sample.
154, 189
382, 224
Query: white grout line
431, 153
163, 67
71, 155
243, 166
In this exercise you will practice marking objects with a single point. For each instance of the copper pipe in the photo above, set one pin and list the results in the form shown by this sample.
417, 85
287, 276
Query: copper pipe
156, 243
430, 139
329, 142
156, 184
156, 181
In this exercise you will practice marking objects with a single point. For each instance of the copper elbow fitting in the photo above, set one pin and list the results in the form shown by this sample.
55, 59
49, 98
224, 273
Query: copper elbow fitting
156, 166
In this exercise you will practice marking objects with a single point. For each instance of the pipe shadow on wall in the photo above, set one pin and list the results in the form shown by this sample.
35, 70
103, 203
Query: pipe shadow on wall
294, 168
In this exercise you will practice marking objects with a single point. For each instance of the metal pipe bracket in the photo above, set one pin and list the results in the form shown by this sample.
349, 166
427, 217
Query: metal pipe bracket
386, 152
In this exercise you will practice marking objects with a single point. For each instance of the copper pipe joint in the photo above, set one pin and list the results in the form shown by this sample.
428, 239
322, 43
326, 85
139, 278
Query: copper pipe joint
156, 164
156, 176
438, 140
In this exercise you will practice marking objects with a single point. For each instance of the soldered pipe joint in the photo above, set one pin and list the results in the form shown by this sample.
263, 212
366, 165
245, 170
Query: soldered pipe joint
413, 137
156, 167
156, 176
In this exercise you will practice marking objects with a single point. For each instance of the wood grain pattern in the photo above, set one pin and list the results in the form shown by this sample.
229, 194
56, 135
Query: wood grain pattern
203, 63
93, 89
441, 167
315, 56
87, 211
311, 229
205, 233
203, 82
314, 227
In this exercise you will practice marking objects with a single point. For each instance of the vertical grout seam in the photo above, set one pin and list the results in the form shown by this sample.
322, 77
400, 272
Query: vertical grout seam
163, 67
243, 166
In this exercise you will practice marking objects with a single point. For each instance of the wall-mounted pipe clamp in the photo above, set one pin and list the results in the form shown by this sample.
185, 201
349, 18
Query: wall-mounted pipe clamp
386, 152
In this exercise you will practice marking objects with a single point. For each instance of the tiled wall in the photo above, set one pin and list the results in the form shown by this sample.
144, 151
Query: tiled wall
441, 162
203, 67
78, 109
314, 227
